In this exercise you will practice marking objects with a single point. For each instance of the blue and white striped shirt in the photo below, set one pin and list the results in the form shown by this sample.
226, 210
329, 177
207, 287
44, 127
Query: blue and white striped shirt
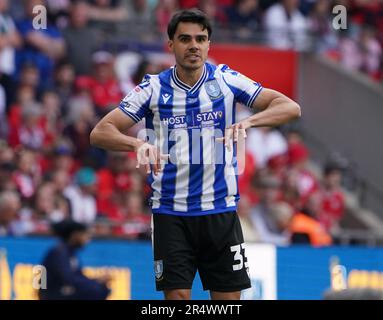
200, 177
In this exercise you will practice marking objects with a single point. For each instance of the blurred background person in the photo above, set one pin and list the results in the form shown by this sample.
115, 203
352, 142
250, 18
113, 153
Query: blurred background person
249, 230
7, 167
305, 226
267, 226
81, 196
10, 40
264, 143
362, 54
244, 17
103, 83
333, 198
46, 208
320, 26
299, 172
286, 26
65, 279
27, 176
135, 223
81, 40
163, 12
9, 208
64, 84
41, 46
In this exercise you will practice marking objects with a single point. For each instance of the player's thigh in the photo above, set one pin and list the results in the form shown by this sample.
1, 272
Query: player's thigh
222, 261
174, 255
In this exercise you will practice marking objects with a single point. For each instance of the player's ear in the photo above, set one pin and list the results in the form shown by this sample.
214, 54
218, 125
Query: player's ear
170, 45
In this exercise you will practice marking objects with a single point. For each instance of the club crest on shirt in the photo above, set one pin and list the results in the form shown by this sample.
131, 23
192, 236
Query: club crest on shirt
158, 269
213, 89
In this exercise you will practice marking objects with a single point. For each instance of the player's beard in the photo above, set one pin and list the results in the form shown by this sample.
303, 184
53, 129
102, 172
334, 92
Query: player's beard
189, 66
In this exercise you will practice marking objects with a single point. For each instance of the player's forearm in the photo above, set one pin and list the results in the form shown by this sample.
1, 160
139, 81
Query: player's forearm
108, 137
279, 111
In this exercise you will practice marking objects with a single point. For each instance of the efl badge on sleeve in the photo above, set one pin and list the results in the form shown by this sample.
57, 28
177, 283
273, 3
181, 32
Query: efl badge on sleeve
213, 89
158, 269
125, 105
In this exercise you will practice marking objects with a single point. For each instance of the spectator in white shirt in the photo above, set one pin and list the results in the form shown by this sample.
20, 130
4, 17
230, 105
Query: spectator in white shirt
265, 143
286, 26
81, 196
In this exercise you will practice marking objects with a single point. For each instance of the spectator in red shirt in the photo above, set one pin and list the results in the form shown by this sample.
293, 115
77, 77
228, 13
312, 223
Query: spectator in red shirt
25, 95
114, 182
290, 192
30, 133
368, 12
305, 182
27, 176
50, 120
103, 85
136, 223
333, 202
214, 10
277, 166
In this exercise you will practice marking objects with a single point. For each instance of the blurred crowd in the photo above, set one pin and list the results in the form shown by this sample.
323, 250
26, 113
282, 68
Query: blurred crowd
56, 83
284, 198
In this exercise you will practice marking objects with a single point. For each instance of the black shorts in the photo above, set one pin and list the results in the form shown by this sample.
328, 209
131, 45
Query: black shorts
212, 244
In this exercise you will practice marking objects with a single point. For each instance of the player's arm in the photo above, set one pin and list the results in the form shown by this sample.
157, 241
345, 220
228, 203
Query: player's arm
108, 133
276, 109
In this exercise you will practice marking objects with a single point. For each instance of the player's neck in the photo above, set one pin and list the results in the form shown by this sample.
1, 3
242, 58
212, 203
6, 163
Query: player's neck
188, 76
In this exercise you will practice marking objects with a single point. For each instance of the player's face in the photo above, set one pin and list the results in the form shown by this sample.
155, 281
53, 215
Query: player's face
190, 45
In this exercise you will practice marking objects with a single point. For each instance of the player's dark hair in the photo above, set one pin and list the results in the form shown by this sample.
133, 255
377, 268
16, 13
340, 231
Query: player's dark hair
190, 15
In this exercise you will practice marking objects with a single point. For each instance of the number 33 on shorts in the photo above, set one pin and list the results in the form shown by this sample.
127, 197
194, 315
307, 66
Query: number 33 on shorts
239, 257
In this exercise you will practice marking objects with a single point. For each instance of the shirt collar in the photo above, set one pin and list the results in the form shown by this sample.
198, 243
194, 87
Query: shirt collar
185, 86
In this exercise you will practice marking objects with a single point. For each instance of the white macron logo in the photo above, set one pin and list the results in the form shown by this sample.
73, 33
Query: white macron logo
166, 97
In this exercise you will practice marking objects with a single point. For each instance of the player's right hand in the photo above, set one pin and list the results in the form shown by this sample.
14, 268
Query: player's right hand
234, 134
148, 154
